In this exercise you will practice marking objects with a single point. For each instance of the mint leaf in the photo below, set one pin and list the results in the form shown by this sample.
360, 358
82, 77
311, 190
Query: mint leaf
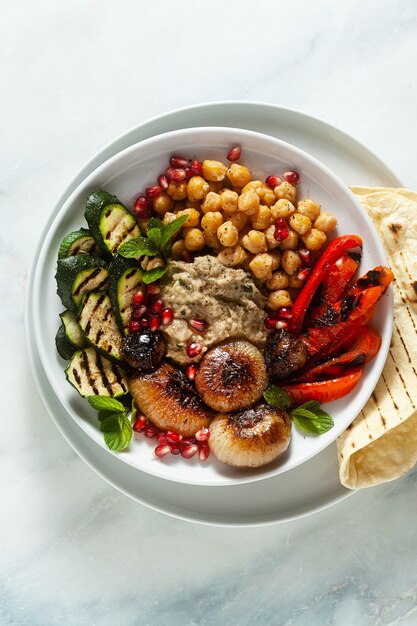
154, 222
155, 274
104, 403
154, 236
141, 246
117, 431
310, 418
275, 396
103, 414
169, 230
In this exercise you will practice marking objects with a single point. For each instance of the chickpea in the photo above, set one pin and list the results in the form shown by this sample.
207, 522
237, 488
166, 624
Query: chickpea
193, 217
326, 222
300, 223
211, 202
268, 197
282, 208
169, 217
295, 282
314, 239
238, 175
211, 239
249, 202
177, 191
279, 280
178, 247
285, 191
271, 242
211, 221
214, 170
278, 299
276, 259
154, 263
197, 188
261, 266
239, 220
231, 257
228, 234
216, 186
243, 234
163, 203
291, 242
228, 201
309, 208
290, 261
194, 239
255, 242
262, 218
253, 184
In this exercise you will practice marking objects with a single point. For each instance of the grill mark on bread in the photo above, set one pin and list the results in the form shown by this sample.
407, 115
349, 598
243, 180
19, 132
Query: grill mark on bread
375, 399
402, 381
389, 392
405, 349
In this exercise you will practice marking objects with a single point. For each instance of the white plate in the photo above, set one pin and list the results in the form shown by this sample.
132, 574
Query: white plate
299, 493
127, 174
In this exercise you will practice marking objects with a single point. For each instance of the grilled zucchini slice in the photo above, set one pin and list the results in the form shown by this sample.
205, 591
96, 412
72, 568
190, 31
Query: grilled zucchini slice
73, 330
125, 279
110, 222
99, 325
93, 375
78, 242
78, 275
63, 345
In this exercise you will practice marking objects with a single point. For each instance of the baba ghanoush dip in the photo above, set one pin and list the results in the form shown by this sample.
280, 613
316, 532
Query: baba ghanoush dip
226, 300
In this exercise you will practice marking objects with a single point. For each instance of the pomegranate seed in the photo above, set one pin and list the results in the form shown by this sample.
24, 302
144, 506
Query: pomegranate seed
172, 436
189, 451
138, 298
142, 207
199, 325
163, 181
306, 257
270, 322
273, 181
234, 153
139, 425
161, 451
179, 161
167, 316
202, 435
162, 439
153, 192
137, 314
150, 431
153, 290
175, 174
155, 322
194, 349
134, 326
196, 168
282, 230
203, 453
284, 313
175, 448
186, 441
281, 325
304, 274
191, 371
186, 256
145, 320
188, 173
291, 177
157, 306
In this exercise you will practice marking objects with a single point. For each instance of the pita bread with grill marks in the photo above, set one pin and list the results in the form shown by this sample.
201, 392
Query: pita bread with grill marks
381, 443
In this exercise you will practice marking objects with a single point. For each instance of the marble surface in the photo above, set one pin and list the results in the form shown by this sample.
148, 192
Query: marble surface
75, 75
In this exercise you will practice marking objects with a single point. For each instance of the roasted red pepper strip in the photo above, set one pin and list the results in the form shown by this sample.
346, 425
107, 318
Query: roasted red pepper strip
363, 349
380, 276
325, 390
334, 251
334, 284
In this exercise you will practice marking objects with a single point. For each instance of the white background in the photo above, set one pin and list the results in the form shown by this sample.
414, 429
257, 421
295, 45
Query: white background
73, 76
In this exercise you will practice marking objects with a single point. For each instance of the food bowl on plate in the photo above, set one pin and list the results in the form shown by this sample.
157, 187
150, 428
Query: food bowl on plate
126, 175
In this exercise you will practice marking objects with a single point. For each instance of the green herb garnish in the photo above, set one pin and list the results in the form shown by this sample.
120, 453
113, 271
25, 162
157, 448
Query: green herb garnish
114, 422
308, 417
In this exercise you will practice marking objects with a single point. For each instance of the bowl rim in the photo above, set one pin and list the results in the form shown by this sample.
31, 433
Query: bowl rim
183, 132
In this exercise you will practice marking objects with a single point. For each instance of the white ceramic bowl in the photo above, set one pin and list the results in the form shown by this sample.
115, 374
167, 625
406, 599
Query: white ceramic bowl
126, 175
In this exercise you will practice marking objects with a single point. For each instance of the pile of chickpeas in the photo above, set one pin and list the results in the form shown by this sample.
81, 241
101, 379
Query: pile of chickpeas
235, 216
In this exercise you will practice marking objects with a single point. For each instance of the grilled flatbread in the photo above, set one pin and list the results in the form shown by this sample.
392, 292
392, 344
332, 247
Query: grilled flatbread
381, 443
